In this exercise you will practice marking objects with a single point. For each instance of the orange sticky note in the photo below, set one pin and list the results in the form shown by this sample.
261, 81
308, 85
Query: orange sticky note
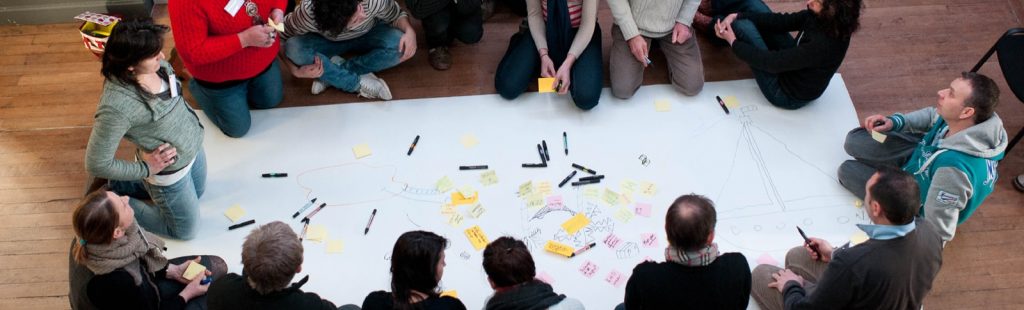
559, 248
458, 199
575, 223
546, 85
477, 237
451, 293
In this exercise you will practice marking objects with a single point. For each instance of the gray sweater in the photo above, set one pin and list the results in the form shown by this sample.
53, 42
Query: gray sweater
147, 123
651, 18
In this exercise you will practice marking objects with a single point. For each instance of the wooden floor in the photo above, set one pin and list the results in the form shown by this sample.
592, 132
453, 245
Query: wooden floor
905, 52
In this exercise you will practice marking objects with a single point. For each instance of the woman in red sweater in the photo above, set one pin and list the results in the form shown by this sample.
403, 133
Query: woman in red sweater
230, 51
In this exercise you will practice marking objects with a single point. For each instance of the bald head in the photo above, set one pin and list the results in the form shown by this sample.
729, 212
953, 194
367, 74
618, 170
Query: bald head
690, 221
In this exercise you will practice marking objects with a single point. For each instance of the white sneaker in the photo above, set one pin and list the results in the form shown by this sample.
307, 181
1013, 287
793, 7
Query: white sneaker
318, 87
373, 87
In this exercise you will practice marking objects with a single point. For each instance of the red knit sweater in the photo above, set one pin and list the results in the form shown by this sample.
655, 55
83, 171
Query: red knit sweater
206, 37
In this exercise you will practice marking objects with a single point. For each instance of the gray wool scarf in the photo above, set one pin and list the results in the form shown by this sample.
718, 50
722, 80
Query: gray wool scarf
126, 252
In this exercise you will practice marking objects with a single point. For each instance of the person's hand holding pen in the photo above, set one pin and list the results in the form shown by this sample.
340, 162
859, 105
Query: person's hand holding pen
638, 47
879, 123
819, 249
723, 28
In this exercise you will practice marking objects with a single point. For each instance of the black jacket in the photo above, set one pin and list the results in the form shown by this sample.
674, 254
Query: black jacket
232, 291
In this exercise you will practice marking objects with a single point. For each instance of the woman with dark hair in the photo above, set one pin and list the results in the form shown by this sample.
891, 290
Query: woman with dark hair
230, 51
142, 103
793, 72
127, 265
417, 264
511, 273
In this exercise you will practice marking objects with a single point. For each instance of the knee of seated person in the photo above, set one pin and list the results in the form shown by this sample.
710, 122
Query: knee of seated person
295, 52
185, 234
851, 145
586, 101
235, 131
507, 92
471, 36
788, 104
622, 92
689, 88
797, 254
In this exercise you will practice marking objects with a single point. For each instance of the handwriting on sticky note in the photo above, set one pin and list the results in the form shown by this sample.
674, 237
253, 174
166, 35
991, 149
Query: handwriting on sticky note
535, 200
489, 177
610, 197
469, 140
316, 233
450, 293
448, 208
458, 199
526, 189
544, 276
623, 215
767, 259
335, 246
588, 269
477, 237
455, 220
546, 85
234, 213
559, 248
878, 136
361, 150
648, 189
615, 278
544, 188
625, 199
612, 241
591, 193
194, 269
649, 240
476, 211
575, 223
662, 105
731, 101
444, 184
555, 201
858, 238
643, 209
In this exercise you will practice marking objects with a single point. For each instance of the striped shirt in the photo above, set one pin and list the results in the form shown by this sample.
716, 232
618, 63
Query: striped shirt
575, 11
301, 21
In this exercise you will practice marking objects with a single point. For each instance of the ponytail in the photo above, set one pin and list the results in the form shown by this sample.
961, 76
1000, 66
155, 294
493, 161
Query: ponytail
93, 221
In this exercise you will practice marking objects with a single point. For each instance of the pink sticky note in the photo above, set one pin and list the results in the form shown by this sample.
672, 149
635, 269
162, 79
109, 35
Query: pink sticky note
615, 278
554, 200
649, 240
588, 269
612, 241
544, 276
643, 209
767, 259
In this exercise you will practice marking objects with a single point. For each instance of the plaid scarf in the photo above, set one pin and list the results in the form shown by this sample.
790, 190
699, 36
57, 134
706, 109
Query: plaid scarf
702, 257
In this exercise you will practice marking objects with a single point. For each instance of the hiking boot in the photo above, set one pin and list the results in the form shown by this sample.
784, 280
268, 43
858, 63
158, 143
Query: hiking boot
1018, 183
440, 58
373, 87
318, 87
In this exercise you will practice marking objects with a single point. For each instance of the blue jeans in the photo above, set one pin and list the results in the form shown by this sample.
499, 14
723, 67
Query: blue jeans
228, 108
768, 82
175, 208
379, 49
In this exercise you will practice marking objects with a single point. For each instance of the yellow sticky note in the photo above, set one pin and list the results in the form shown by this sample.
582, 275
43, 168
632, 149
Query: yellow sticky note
662, 105
234, 213
623, 215
275, 25
627, 186
625, 199
731, 101
194, 269
858, 238
648, 189
476, 211
559, 248
469, 140
489, 177
477, 237
458, 199
467, 191
544, 188
610, 197
878, 136
361, 150
451, 293
526, 189
546, 85
335, 246
590, 193
576, 223
316, 233
858, 203
448, 209
535, 200
444, 184
455, 220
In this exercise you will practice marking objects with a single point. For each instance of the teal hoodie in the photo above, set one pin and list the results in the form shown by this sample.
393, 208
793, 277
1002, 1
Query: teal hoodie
955, 173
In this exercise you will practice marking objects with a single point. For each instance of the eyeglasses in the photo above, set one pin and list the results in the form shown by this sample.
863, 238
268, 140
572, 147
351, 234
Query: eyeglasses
253, 11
